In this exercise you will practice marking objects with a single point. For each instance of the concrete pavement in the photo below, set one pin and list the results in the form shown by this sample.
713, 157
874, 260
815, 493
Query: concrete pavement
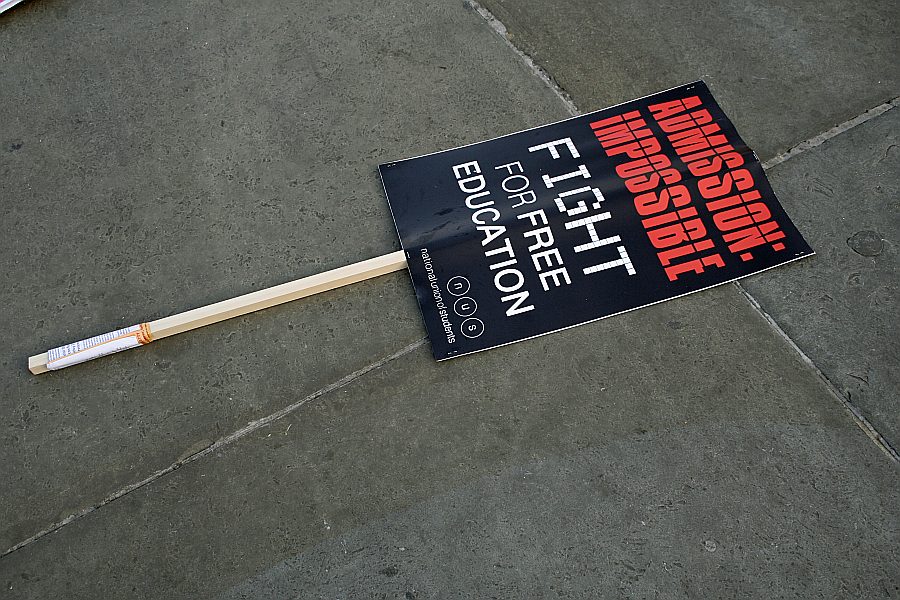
157, 160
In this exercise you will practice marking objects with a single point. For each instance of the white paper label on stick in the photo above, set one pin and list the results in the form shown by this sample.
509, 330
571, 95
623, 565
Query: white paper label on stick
6, 4
95, 347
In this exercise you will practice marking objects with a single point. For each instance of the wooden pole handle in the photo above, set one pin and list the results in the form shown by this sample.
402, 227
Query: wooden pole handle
144, 333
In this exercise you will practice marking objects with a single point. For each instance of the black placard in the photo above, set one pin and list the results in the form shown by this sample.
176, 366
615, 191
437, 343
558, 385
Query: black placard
563, 224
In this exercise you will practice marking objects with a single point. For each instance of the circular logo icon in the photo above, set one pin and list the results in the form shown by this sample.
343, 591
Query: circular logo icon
465, 307
458, 285
472, 328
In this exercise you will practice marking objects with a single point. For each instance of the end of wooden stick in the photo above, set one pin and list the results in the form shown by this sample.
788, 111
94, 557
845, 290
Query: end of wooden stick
37, 364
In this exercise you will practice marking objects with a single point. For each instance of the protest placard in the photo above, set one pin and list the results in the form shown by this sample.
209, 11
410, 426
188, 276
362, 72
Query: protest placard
567, 223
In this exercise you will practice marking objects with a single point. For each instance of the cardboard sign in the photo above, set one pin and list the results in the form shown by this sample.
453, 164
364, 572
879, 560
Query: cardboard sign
564, 224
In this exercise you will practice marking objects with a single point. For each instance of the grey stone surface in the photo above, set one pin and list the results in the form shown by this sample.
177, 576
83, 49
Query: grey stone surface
154, 159
784, 71
610, 535
584, 464
842, 306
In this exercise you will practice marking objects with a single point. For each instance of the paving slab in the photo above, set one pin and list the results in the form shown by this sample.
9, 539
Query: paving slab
841, 307
155, 160
784, 71
651, 455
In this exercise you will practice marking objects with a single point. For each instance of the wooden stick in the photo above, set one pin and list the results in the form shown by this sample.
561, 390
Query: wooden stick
144, 333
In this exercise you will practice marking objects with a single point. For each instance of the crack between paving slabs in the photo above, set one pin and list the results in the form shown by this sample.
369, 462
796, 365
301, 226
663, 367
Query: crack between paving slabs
251, 427
808, 144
